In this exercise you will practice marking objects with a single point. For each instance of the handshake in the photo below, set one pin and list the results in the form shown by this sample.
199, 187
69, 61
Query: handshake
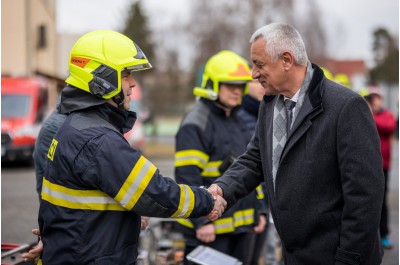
219, 202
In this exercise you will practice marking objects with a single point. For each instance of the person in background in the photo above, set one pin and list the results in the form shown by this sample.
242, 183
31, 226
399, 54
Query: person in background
210, 137
385, 124
96, 186
249, 113
317, 147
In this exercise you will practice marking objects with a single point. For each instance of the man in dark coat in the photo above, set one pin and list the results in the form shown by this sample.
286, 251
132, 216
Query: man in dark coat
324, 178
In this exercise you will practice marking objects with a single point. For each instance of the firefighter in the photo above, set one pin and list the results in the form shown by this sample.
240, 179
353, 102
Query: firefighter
96, 186
210, 137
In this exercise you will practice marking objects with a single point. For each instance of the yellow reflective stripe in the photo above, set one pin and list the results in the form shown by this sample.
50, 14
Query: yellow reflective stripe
136, 183
185, 222
190, 158
211, 169
186, 202
229, 224
245, 217
78, 199
260, 192
224, 225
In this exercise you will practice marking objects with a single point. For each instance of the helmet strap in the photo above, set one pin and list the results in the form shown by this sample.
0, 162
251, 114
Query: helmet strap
119, 99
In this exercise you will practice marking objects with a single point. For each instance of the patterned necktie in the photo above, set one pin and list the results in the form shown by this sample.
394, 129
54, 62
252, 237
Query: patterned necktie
279, 135
289, 105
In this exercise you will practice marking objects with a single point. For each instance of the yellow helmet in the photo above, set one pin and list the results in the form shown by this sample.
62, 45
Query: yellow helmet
364, 92
343, 79
224, 67
98, 58
327, 73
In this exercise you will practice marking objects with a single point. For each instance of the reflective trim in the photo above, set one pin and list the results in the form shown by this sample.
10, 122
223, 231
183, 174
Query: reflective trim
260, 192
185, 222
78, 199
227, 224
136, 183
212, 169
224, 225
245, 217
186, 202
191, 158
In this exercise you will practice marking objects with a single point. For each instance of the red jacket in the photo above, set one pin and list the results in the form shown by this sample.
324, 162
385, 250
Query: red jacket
385, 123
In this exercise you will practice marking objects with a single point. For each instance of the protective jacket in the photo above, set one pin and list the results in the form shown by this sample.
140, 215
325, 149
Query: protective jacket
206, 144
96, 187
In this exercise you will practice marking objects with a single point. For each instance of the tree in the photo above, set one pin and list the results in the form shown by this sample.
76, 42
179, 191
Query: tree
386, 56
137, 29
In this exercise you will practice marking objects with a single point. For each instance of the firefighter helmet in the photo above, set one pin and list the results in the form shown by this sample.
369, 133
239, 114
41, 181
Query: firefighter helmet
343, 79
327, 73
224, 67
98, 58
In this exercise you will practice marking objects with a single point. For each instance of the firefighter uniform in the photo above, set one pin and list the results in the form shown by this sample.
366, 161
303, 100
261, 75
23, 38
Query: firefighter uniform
205, 140
210, 137
97, 187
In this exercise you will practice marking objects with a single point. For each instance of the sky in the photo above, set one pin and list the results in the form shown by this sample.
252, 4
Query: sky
349, 23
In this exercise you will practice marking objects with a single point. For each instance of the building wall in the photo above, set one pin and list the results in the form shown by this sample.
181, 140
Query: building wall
14, 53
21, 21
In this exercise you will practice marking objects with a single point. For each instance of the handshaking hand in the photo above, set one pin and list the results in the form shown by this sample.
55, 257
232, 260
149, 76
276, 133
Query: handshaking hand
219, 202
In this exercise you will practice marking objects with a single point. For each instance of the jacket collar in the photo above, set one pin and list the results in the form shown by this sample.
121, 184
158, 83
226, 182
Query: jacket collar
73, 99
218, 110
122, 120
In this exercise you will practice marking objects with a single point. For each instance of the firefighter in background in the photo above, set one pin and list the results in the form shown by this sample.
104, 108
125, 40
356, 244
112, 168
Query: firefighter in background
385, 124
343, 79
96, 186
210, 137
327, 73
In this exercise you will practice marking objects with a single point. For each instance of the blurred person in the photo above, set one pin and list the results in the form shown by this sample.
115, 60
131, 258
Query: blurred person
249, 113
323, 168
210, 137
385, 124
96, 186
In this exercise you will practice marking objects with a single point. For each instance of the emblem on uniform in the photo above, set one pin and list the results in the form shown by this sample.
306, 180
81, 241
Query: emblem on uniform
52, 149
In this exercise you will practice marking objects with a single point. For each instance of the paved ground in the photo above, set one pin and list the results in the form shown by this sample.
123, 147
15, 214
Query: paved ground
19, 203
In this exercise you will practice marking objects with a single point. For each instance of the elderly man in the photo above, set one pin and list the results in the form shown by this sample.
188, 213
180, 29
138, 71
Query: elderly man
317, 148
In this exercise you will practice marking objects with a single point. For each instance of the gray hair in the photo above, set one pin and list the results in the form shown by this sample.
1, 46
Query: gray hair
280, 38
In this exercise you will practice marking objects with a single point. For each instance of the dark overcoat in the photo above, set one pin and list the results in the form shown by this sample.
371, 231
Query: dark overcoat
328, 194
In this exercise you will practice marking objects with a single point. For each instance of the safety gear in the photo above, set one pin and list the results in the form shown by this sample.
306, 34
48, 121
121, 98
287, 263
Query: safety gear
97, 185
327, 73
224, 67
205, 140
97, 60
343, 79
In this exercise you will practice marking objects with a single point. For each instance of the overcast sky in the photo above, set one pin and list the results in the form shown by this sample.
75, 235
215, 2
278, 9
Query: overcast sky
349, 23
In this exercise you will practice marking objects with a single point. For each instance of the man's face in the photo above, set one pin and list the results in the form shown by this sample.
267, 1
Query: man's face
127, 83
231, 94
270, 74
